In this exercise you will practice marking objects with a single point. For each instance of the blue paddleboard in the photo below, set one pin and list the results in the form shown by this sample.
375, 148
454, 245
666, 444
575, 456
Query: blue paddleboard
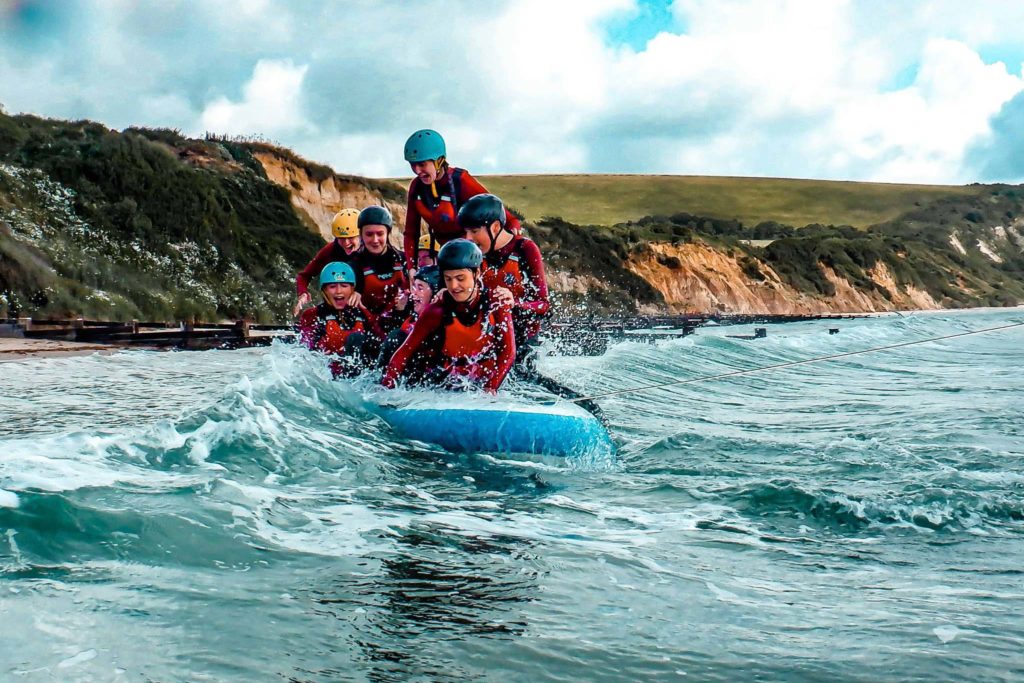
484, 424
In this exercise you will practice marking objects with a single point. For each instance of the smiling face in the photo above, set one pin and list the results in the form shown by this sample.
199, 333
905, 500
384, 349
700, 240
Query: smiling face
426, 171
349, 244
336, 294
461, 284
375, 238
421, 294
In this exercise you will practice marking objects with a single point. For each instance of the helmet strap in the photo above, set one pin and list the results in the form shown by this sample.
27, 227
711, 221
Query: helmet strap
493, 237
439, 164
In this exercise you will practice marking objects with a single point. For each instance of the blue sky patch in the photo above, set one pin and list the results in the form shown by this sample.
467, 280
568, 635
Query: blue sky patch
1010, 54
635, 28
902, 79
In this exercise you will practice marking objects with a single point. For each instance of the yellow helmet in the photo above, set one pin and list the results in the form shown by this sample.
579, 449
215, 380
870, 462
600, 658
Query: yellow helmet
425, 242
345, 223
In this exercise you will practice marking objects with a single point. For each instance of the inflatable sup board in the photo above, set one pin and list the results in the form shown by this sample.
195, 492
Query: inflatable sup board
471, 423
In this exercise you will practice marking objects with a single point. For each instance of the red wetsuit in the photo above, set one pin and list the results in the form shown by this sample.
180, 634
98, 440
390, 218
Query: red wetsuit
326, 329
475, 341
380, 278
330, 252
441, 212
421, 364
518, 267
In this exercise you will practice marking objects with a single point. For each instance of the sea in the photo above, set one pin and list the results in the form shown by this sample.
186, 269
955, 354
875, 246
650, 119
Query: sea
240, 516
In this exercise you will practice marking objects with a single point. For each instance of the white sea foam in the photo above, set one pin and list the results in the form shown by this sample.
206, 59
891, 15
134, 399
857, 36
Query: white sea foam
947, 633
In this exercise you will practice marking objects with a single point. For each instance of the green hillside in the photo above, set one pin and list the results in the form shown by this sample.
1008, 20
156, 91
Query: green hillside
611, 199
150, 224
141, 224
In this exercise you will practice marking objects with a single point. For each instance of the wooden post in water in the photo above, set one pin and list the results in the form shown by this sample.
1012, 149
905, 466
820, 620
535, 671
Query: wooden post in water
242, 327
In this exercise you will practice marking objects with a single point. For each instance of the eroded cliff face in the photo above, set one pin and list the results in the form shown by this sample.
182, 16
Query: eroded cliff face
698, 278
691, 277
318, 200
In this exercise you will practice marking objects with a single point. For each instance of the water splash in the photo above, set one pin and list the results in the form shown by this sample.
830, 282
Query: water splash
812, 519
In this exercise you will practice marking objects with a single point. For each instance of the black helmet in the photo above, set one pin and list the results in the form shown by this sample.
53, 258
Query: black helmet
481, 210
375, 215
431, 275
459, 253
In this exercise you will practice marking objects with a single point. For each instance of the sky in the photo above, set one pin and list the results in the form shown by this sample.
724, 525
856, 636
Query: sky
873, 90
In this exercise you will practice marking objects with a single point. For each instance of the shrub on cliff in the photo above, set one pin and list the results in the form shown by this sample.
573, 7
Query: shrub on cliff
598, 251
242, 148
127, 206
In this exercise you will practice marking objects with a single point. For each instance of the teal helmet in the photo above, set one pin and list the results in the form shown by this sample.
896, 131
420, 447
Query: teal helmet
481, 211
375, 215
430, 275
459, 253
337, 271
424, 145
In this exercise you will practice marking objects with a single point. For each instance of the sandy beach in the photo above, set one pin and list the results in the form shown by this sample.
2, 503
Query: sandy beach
12, 349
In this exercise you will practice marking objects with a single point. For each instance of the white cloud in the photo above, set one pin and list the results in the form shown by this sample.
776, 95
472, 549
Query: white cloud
270, 103
790, 88
167, 110
921, 133
864, 89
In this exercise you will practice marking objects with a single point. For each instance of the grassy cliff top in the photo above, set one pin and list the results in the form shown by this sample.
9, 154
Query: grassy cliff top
611, 199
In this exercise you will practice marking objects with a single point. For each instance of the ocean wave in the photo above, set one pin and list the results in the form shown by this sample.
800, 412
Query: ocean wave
928, 509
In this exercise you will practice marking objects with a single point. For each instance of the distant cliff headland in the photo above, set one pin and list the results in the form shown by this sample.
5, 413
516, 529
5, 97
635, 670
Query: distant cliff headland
149, 224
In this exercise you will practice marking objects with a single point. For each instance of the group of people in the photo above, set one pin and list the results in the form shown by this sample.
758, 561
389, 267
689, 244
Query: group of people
463, 302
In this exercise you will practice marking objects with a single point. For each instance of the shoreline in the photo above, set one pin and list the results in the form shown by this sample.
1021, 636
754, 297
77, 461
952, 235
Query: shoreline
19, 349
15, 349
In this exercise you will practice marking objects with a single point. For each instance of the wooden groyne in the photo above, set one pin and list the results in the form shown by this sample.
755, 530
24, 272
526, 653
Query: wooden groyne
590, 336
586, 336
773, 318
181, 335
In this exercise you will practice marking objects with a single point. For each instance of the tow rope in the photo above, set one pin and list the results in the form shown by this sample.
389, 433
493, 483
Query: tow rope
819, 359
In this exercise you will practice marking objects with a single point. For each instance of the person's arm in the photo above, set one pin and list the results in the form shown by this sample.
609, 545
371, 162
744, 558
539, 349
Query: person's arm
391, 313
307, 327
497, 369
312, 270
536, 300
425, 325
411, 235
471, 187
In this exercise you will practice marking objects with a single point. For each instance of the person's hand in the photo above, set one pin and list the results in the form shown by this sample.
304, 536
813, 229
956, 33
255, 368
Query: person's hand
303, 301
401, 300
355, 299
411, 272
437, 297
503, 297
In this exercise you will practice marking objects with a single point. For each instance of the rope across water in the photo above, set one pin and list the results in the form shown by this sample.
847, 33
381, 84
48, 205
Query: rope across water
819, 359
